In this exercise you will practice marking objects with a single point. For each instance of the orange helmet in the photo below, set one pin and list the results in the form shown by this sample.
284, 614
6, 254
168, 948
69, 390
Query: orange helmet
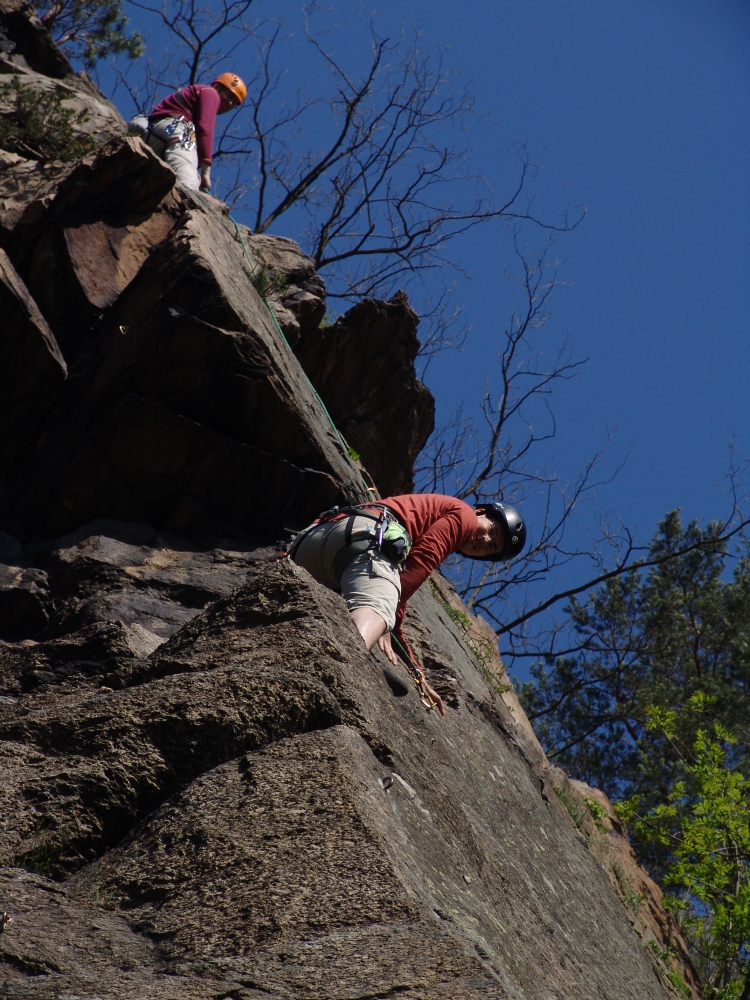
232, 82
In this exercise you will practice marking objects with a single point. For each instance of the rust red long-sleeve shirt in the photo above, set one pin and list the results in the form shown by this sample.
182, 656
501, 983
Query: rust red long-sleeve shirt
438, 525
199, 103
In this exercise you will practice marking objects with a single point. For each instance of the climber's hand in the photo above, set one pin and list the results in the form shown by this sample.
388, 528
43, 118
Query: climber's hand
386, 648
205, 176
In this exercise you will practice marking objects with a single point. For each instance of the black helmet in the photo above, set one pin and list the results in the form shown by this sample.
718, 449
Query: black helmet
515, 529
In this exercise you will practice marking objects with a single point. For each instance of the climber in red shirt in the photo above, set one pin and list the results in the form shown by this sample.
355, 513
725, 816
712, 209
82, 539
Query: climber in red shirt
181, 127
357, 551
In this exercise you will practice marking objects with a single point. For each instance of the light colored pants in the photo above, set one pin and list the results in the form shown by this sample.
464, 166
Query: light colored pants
183, 161
369, 581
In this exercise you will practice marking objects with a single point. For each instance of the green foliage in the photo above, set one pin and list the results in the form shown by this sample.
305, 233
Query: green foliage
328, 320
92, 30
654, 708
567, 799
598, 813
481, 649
267, 281
42, 859
704, 829
633, 900
39, 127
649, 642
665, 957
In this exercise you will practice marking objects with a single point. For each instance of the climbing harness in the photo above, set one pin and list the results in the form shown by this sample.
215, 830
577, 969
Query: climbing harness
417, 675
186, 137
141, 126
390, 537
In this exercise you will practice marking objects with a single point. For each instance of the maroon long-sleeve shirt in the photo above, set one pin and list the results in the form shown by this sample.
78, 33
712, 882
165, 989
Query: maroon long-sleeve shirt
438, 525
199, 103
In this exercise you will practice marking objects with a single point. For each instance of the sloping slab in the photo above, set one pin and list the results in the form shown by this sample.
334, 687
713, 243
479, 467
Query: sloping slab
313, 867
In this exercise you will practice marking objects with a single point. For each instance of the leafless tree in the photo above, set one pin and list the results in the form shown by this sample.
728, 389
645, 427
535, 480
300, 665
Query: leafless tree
365, 172
374, 172
496, 457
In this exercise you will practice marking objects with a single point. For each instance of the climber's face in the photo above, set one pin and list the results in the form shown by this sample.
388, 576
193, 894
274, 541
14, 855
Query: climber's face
488, 538
229, 101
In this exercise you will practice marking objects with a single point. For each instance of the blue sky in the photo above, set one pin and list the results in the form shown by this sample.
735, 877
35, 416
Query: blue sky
640, 111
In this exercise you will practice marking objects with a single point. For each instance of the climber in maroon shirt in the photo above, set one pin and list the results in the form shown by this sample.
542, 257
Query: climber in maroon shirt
357, 552
181, 127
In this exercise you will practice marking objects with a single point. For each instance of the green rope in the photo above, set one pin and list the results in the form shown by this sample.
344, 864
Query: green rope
343, 444
408, 658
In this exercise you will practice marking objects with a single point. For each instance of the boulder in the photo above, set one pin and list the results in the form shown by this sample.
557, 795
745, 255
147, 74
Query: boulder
363, 368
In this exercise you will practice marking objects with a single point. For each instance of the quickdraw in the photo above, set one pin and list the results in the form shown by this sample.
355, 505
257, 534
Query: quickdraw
417, 675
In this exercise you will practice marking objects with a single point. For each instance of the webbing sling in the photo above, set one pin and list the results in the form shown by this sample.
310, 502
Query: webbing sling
352, 548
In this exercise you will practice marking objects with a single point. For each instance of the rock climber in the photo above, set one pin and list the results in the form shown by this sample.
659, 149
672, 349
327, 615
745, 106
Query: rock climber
181, 127
378, 554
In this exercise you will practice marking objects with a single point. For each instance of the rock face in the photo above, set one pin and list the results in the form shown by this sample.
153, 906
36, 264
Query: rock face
186, 408
147, 379
28, 52
81, 251
32, 369
390, 414
246, 809
300, 302
641, 896
209, 789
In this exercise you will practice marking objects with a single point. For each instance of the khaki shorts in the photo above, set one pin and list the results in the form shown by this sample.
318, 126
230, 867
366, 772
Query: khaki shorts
369, 581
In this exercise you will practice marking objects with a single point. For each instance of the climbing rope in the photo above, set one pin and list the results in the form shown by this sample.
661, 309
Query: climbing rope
417, 675
415, 671
344, 447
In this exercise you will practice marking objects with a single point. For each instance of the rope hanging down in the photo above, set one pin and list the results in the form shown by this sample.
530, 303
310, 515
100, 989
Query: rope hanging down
344, 446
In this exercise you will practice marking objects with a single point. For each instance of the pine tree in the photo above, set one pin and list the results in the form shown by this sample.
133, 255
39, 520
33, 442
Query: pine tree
92, 30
